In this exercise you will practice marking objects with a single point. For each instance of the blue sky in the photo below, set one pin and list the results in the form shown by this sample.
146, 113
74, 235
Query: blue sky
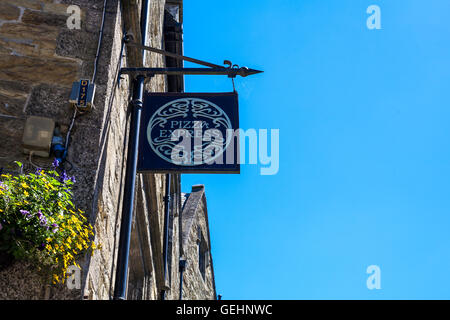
364, 173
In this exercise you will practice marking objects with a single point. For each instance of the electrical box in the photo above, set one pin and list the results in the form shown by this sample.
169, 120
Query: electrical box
82, 95
37, 136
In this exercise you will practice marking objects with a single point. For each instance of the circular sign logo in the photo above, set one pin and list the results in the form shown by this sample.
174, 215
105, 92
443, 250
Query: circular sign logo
200, 121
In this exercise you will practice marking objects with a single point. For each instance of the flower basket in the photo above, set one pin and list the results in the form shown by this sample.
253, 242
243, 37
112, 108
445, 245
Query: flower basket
39, 222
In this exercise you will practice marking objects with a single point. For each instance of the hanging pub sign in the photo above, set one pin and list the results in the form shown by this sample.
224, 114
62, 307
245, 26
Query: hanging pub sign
189, 133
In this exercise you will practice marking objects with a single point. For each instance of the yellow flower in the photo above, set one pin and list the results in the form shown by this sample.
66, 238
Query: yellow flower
24, 185
26, 193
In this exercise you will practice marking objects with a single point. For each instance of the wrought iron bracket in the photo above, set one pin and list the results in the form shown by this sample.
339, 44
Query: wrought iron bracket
213, 69
148, 72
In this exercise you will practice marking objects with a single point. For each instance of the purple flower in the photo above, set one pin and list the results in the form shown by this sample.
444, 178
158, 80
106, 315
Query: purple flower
55, 163
26, 213
38, 171
42, 219
43, 222
64, 177
72, 178
55, 228
41, 247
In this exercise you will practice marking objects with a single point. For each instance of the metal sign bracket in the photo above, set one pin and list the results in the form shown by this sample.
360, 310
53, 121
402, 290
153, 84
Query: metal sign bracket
213, 69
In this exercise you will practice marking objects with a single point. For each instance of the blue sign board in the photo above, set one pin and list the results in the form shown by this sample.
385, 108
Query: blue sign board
189, 133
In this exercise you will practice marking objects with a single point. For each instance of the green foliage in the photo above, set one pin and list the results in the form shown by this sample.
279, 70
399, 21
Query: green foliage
39, 222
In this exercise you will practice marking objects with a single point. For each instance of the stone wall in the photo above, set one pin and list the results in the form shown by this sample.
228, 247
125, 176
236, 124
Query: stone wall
39, 59
195, 219
37, 67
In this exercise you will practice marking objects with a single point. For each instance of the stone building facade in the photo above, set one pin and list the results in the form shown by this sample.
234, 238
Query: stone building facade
40, 58
198, 279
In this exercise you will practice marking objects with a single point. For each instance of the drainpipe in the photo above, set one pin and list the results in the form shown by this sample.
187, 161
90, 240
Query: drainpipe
166, 233
130, 175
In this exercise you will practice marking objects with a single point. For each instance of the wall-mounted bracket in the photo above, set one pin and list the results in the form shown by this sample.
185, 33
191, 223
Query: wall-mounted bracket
214, 69
230, 72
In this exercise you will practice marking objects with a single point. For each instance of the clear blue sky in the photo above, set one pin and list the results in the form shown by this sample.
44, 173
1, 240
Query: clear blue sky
364, 173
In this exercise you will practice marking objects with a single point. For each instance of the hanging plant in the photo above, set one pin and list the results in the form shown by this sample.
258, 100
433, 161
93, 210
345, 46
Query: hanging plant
39, 222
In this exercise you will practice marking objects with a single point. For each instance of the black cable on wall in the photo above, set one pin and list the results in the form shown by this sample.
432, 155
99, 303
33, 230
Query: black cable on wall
76, 112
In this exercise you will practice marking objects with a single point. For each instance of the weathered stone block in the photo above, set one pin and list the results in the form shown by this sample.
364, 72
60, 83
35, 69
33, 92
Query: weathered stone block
27, 33
83, 189
21, 278
57, 8
31, 4
35, 70
11, 106
17, 48
45, 48
11, 131
44, 19
84, 148
76, 44
50, 101
8, 11
14, 89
